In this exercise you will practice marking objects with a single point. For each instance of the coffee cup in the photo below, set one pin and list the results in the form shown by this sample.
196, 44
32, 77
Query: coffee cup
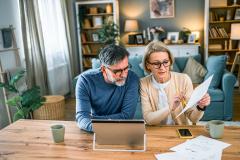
58, 132
215, 128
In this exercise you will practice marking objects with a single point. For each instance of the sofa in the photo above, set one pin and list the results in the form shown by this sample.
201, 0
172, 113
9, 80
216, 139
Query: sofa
220, 90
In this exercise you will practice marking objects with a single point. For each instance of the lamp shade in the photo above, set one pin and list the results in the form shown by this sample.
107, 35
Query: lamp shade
131, 25
235, 31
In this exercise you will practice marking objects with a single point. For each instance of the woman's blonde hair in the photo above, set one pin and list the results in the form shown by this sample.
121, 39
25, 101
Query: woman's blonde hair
155, 46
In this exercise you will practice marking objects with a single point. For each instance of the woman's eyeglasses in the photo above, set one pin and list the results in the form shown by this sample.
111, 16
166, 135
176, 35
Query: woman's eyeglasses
158, 64
118, 72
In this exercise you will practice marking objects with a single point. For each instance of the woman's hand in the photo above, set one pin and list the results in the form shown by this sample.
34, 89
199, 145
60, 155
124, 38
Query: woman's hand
205, 101
177, 100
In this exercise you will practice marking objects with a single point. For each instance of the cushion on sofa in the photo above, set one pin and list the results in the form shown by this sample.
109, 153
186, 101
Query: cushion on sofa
182, 61
215, 65
216, 95
195, 70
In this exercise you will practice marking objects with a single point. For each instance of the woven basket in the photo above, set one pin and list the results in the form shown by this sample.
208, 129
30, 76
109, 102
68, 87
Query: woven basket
53, 109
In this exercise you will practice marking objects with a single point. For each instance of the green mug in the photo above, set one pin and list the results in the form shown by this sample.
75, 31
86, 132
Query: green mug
58, 131
215, 128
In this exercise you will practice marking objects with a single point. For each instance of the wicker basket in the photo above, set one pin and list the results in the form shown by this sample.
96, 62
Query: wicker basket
53, 109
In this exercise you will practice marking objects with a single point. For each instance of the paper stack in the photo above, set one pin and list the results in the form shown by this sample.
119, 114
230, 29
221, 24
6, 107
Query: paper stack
199, 148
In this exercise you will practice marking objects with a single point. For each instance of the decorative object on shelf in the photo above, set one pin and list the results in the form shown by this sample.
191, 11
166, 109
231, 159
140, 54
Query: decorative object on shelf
25, 101
237, 14
157, 32
86, 23
161, 9
173, 36
235, 34
191, 38
234, 2
184, 33
97, 21
109, 8
139, 38
109, 33
217, 3
229, 15
131, 26
95, 37
7, 37
93, 10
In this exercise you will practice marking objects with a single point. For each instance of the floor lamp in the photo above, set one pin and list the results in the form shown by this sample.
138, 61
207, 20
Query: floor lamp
235, 35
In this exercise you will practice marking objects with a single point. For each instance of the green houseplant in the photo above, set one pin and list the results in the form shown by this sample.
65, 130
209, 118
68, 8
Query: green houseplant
25, 101
109, 33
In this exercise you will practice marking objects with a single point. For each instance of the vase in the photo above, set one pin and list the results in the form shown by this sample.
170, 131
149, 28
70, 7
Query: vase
155, 37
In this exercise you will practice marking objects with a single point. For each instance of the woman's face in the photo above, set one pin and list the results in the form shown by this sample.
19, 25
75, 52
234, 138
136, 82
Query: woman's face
159, 64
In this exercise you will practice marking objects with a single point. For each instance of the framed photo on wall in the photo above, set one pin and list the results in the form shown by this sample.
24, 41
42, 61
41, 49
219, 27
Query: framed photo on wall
173, 36
192, 38
139, 39
161, 8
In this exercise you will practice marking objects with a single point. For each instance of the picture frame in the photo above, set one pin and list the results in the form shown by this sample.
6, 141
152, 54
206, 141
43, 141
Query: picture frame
95, 37
139, 39
162, 9
173, 36
192, 38
237, 14
97, 21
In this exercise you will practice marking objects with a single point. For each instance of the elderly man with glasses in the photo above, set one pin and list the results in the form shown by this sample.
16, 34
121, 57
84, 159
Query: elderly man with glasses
109, 92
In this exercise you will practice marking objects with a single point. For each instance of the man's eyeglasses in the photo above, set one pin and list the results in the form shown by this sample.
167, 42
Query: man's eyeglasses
158, 65
118, 72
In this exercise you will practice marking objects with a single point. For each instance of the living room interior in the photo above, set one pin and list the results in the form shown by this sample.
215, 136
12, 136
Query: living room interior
186, 15
45, 45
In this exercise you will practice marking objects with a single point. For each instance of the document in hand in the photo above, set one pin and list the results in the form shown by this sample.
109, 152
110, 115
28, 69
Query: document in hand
197, 94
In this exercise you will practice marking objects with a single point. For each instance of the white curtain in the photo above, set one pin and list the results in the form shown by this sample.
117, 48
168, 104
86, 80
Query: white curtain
56, 46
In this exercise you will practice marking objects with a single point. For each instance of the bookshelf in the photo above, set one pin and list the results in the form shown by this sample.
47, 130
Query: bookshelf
91, 15
219, 15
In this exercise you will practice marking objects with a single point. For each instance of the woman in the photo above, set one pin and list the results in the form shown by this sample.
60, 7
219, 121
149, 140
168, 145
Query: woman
164, 93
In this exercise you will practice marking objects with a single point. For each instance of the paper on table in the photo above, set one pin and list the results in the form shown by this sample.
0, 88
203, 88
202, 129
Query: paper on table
197, 94
201, 148
170, 156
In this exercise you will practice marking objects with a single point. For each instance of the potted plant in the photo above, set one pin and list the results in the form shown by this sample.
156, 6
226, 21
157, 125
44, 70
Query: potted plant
25, 101
184, 33
109, 33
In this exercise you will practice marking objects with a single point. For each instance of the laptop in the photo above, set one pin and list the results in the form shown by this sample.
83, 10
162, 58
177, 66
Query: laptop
115, 133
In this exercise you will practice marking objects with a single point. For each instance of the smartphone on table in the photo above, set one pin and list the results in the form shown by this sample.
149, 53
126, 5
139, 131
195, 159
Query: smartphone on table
184, 133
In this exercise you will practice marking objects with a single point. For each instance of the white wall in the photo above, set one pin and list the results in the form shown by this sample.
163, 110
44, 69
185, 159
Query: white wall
9, 15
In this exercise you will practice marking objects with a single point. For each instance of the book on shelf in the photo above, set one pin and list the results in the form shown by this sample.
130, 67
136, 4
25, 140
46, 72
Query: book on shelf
86, 49
215, 46
83, 37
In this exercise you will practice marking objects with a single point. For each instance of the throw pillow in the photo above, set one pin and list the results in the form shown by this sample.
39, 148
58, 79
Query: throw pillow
194, 70
175, 67
216, 66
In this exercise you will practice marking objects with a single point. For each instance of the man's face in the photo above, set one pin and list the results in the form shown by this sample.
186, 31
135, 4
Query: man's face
117, 73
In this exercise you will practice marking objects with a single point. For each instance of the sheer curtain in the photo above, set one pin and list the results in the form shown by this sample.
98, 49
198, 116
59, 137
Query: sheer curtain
47, 50
56, 46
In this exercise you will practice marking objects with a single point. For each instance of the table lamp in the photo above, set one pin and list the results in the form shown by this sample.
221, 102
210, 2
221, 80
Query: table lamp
235, 34
131, 25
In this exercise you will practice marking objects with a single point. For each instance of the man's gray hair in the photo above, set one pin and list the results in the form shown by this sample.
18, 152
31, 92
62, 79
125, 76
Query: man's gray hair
112, 54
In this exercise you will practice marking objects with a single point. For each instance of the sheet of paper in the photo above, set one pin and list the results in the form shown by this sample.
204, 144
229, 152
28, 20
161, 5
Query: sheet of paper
201, 148
170, 156
197, 94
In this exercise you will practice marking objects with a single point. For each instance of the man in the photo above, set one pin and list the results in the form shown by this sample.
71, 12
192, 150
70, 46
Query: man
109, 92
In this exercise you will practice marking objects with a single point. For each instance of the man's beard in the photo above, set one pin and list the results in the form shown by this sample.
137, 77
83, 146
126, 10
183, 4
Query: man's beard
116, 81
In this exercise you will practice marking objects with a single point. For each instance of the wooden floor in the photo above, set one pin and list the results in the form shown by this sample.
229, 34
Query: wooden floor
70, 107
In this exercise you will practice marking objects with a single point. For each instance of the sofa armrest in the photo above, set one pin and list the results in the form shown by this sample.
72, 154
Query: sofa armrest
228, 82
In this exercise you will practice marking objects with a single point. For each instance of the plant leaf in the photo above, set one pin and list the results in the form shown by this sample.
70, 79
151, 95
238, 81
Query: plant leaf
14, 101
16, 77
17, 116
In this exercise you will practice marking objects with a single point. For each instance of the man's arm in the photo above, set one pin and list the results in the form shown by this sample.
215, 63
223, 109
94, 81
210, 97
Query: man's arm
129, 102
83, 105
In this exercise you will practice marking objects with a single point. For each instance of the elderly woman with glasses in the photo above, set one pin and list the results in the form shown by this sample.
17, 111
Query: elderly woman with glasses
164, 93
108, 92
